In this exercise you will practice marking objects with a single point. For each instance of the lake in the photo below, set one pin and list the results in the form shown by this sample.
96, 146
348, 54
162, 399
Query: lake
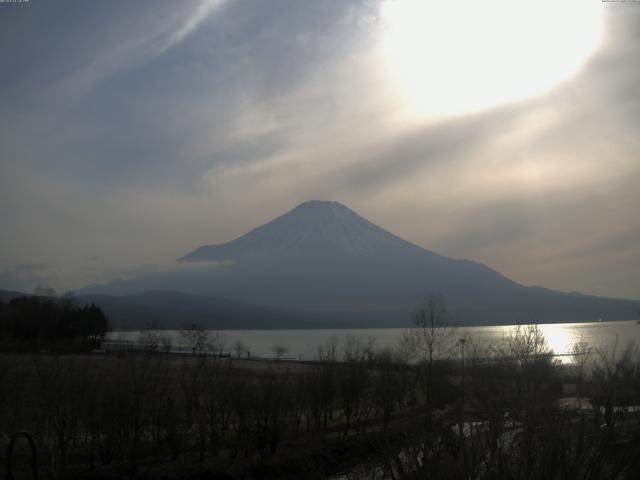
303, 344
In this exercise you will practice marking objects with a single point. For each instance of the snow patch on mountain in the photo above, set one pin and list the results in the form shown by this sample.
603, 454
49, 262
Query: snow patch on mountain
312, 227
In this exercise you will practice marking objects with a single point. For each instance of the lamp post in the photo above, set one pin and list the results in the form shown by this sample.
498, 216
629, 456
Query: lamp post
462, 342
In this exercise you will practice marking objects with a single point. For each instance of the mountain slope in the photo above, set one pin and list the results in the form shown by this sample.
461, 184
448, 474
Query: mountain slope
313, 228
7, 295
171, 310
325, 258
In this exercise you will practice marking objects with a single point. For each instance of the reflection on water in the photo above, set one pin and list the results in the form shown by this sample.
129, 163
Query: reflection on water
303, 344
560, 338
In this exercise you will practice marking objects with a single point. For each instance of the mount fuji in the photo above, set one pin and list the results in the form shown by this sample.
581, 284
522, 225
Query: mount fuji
326, 262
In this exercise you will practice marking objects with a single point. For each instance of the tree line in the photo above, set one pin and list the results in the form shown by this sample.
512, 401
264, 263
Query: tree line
49, 321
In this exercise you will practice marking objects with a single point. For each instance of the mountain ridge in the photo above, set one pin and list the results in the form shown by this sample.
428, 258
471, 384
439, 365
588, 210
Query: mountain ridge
323, 257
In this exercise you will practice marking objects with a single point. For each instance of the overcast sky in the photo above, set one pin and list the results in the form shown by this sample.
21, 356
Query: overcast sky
132, 132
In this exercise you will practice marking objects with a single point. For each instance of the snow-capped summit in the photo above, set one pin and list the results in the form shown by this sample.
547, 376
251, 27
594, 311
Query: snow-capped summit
313, 227
324, 258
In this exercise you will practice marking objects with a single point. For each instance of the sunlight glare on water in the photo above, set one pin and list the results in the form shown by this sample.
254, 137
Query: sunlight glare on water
303, 344
560, 337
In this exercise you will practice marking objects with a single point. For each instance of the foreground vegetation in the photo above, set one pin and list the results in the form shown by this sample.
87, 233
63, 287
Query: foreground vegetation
436, 407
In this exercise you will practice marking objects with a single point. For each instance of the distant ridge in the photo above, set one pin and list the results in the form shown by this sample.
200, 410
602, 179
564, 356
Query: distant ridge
6, 295
170, 310
322, 257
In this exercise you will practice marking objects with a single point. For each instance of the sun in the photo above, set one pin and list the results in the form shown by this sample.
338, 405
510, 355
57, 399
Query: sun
454, 57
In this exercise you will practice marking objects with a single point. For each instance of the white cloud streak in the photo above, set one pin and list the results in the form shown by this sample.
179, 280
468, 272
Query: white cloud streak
149, 40
190, 25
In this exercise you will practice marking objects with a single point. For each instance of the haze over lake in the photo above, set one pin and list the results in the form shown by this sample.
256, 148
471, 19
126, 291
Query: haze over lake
303, 344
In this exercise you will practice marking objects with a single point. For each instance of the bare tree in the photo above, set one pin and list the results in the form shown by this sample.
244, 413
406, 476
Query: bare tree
526, 343
614, 379
431, 335
354, 379
527, 350
431, 338
166, 342
329, 351
240, 348
279, 350
195, 337
63, 384
151, 337
217, 342
328, 357
581, 356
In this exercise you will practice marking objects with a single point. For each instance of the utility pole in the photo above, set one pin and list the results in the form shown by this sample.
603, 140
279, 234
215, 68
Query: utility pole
462, 342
